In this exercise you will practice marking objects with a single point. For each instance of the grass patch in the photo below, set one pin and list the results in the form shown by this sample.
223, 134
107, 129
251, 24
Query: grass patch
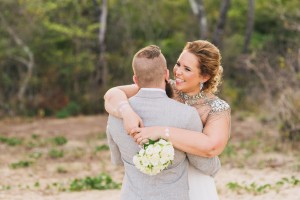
13, 141
257, 189
77, 153
101, 135
21, 164
5, 187
54, 153
103, 147
101, 182
61, 170
35, 155
59, 140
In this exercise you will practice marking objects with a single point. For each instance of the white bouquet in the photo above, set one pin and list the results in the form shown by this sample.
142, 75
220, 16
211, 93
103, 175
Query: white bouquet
154, 157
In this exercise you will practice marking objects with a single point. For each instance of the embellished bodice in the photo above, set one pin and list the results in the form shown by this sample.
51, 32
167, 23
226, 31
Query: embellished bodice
218, 105
209, 107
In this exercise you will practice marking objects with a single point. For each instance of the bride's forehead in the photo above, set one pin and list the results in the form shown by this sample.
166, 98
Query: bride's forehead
188, 58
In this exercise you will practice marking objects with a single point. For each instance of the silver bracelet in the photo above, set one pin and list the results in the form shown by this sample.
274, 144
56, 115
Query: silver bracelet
167, 133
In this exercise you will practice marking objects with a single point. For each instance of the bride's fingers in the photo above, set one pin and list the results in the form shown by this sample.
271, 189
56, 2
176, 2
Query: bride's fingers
139, 140
136, 136
134, 131
144, 141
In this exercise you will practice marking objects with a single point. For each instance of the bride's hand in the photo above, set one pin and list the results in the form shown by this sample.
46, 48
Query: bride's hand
142, 135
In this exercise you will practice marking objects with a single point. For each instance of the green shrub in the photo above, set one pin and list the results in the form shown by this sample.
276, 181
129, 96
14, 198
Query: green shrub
70, 110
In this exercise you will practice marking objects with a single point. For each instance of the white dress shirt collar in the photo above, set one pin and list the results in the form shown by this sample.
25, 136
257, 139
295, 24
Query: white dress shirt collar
153, 89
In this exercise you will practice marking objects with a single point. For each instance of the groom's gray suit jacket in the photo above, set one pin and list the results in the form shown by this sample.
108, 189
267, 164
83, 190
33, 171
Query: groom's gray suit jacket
156, 109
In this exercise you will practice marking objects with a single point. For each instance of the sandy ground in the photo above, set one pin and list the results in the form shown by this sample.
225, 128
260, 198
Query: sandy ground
84, 133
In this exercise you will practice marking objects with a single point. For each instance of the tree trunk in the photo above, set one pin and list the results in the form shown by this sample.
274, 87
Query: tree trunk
29, 62
250, 23
217, 37
101, 68
198, 10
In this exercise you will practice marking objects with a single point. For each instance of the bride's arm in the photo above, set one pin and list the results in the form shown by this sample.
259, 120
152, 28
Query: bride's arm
116, 104
117, 97
210, 143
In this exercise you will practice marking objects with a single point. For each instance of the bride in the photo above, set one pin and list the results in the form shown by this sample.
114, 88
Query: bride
197, 75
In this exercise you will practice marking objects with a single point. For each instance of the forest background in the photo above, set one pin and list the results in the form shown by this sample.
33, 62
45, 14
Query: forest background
57, 58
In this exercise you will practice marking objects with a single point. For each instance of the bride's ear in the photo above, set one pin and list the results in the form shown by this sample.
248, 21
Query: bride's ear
205, 78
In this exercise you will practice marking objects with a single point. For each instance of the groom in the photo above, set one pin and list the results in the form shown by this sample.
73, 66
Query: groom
155, 108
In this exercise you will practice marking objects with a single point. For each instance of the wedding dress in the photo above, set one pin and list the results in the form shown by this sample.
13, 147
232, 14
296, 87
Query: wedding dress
201, 186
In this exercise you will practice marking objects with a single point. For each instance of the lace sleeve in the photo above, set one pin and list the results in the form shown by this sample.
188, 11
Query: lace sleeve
219, 114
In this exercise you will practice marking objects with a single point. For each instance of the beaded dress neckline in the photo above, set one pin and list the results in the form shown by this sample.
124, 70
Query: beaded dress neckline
191, 100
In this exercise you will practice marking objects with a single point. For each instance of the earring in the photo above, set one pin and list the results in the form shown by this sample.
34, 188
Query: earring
201, 86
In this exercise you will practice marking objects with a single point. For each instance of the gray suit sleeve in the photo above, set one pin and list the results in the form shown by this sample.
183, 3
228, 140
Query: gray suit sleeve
208, 166
114, 150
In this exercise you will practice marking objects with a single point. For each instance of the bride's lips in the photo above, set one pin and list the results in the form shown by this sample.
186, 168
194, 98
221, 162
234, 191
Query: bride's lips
179, 81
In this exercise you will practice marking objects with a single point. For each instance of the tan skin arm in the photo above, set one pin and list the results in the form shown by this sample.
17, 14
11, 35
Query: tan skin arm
209, 144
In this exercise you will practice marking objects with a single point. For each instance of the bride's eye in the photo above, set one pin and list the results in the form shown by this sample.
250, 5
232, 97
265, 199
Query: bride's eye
187, 69
178, 64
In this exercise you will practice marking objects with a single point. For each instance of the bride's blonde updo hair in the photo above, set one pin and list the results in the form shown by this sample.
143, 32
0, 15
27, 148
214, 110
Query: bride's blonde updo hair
209, 58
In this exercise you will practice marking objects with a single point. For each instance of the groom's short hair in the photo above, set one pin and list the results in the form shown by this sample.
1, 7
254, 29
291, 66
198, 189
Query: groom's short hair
149, 66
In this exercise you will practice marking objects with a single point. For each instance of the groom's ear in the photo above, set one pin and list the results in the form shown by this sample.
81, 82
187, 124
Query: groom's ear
167, 75
135, 80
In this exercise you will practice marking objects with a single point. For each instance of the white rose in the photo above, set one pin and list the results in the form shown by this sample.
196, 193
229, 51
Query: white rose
149, 150
162, 142
141, 152
154, 159
169, 150
163, 160
145, 161
156, 148
137, 161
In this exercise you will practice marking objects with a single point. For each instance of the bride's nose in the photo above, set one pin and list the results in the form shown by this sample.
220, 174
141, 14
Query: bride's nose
178, 71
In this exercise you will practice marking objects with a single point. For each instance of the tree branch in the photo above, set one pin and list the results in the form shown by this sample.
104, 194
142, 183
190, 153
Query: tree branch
29, 63
199, 11
217, 37
250, 24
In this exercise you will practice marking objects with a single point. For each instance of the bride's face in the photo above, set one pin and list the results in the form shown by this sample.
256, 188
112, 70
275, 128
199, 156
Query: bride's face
187, 73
